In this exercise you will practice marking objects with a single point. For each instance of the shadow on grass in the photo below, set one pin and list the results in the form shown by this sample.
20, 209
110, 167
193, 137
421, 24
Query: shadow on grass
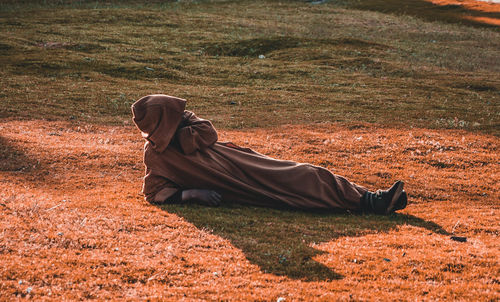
278, 240
13, 159
426, 10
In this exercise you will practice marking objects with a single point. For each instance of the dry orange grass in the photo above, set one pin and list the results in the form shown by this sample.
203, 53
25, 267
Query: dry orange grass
479, 6
73, 225
482, 6
470, 12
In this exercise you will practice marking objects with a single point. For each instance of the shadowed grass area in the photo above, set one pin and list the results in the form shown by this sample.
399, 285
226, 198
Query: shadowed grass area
279, 241
13, 158
241, 66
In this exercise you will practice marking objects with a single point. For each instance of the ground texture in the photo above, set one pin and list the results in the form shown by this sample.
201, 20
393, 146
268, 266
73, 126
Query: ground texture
371, 93
74, 226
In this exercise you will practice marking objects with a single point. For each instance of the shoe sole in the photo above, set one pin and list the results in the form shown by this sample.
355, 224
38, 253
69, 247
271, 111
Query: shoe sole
395, 197
401, 205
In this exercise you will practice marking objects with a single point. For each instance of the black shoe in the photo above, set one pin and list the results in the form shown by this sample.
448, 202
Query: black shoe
386, 202
401, 203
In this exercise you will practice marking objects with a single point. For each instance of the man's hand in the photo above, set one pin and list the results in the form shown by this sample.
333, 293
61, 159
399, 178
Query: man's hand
206, 197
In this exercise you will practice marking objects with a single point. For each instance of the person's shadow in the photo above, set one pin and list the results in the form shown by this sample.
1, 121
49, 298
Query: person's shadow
278, 240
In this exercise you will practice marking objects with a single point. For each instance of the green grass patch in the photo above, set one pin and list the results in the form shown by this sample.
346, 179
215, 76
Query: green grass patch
242, 66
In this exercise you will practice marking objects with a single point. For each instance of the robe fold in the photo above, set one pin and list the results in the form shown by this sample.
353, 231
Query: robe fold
182, 152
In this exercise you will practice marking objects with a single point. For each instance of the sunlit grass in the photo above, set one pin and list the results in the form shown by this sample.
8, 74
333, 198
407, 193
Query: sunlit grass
75, 226
352, 86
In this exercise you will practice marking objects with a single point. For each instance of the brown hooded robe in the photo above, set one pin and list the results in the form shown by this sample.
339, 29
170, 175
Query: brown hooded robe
182, 152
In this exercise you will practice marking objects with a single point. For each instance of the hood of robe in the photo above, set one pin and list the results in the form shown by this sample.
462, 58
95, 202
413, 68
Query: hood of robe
158, 116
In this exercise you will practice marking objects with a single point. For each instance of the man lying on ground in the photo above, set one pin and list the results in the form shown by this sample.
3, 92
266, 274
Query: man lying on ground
185, 162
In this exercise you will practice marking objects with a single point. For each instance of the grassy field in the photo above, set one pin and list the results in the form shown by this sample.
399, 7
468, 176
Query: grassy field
322, 63
372, 90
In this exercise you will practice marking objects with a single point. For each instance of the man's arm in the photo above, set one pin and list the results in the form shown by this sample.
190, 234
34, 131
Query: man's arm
206, 197
195, 133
